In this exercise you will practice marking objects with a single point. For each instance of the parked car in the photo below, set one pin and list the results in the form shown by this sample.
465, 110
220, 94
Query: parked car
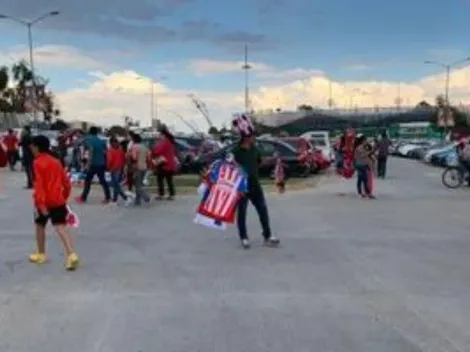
438, 150
321, 140
268, 148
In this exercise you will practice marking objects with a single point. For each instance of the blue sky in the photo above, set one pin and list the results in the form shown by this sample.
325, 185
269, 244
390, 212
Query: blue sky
349, 40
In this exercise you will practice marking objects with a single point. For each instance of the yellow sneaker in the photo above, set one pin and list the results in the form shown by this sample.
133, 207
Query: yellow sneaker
37, 258
72, 262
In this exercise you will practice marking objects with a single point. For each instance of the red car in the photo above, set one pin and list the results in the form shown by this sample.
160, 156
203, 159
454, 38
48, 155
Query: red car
308, 153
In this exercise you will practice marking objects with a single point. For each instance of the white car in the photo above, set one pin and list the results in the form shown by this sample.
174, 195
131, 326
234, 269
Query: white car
321, 140
431, 152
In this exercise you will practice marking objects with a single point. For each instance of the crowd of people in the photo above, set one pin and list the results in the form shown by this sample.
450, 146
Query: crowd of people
368, 158
49, 177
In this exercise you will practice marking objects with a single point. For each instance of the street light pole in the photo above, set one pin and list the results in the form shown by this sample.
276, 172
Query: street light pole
246, 67
29, 25
448, 67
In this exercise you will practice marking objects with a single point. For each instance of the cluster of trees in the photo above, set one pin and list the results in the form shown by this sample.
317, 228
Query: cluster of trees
13, 83
461, 118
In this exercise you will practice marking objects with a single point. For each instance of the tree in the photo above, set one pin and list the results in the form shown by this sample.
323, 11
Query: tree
117, 130
13, 85
305, 107
213, 130
5, 105
59, 125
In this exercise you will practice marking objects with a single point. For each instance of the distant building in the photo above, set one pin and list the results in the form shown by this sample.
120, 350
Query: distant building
278, 118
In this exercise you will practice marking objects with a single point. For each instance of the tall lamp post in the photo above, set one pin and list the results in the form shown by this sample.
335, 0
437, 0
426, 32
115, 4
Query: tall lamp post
29, 25
447, 67
246, 68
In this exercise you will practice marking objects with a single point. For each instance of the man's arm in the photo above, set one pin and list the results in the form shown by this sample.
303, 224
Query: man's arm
39, 194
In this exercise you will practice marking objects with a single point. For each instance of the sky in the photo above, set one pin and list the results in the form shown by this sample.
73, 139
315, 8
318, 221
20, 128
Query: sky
101, 57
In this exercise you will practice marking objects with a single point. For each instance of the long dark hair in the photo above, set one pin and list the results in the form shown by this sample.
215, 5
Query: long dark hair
359, 140
165, 132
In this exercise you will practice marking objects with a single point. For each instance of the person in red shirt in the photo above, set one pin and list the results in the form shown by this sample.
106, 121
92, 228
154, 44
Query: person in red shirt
51, 191
166, 162
11, 143
116, 158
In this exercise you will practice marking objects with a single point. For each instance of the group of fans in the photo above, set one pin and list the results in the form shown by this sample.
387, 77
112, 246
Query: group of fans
366, 158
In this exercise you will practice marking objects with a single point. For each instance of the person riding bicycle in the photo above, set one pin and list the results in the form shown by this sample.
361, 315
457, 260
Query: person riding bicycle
463, 153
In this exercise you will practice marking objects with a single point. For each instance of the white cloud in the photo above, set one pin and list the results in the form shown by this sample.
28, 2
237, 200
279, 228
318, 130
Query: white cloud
54, 56
358, 67
107, 97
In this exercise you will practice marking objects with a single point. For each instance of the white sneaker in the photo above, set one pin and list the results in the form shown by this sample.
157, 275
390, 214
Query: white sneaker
128, 201
245, 244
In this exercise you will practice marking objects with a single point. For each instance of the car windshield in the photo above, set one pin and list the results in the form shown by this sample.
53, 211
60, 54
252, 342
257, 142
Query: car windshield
183, 143
293, 143
318, 141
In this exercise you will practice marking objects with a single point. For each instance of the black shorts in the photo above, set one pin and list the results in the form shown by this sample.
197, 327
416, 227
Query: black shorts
57, 215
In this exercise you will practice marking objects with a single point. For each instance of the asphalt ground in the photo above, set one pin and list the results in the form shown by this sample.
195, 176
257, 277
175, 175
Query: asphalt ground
351, 275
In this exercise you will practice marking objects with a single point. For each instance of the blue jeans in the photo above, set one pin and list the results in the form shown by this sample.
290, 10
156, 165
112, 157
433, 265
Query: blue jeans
256, 196
140, 193
362, 179
90, 174
116, 178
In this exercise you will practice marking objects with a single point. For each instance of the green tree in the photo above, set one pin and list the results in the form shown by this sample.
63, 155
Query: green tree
59, 125
213, 130
305, 107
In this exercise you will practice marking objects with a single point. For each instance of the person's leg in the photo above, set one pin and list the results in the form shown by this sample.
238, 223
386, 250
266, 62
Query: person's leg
40, 221
359, 181
365, 181
139, 187
384, 167
90, 173
130, 180
170, 184
115, 184
121, 192
58, 217
379, 166
143, 192
259, 202
11, 159
161, 183
241, 221
28, 169
100, 172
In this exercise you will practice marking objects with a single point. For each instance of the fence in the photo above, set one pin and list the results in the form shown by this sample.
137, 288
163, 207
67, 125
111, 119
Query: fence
12, 120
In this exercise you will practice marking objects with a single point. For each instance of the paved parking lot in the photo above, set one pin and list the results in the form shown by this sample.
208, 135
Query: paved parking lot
352, 275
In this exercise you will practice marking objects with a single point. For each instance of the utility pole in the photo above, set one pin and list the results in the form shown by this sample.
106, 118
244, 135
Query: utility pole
247, 67
29, 25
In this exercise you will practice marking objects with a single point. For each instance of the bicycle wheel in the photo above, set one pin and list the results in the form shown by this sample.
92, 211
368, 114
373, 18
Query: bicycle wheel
452, 177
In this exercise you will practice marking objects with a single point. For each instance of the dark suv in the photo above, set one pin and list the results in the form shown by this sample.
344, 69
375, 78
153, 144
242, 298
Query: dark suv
268, 148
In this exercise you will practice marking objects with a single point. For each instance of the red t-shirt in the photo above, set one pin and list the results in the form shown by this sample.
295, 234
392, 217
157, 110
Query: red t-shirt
11, 142
116, 159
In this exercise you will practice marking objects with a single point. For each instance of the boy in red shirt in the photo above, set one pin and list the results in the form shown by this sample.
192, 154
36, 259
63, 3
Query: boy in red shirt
51, 192
116, 159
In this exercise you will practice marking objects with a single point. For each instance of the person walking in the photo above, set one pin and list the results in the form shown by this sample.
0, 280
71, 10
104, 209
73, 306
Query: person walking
96, 165
51, 191
11, 143
382, 146
139, 155
248, 156
27, 156
363, 165
166, 163
116, 159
